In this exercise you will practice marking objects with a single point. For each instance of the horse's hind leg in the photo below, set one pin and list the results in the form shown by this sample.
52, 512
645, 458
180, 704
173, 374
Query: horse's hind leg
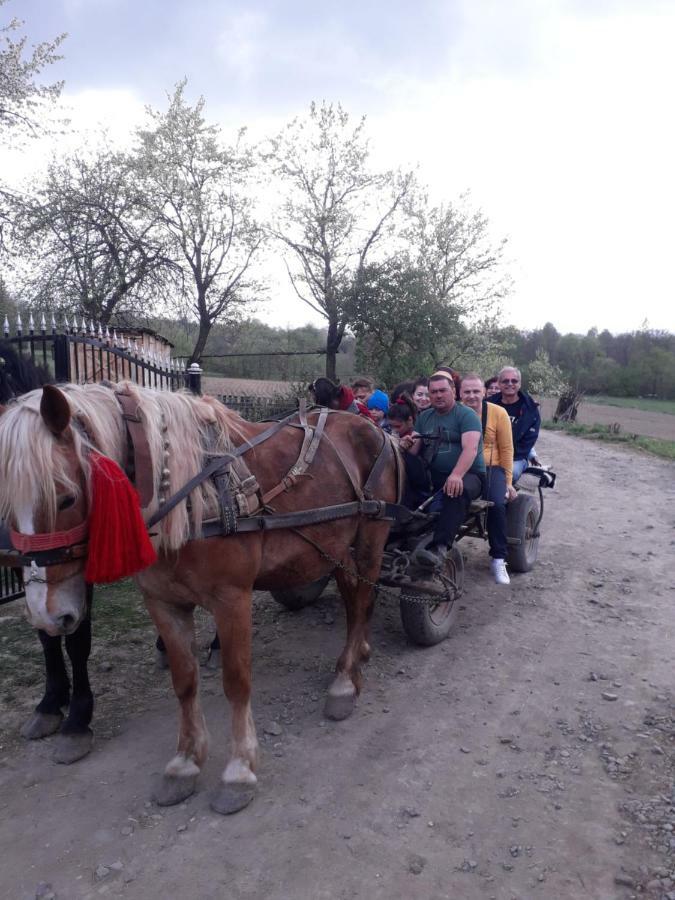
76, 736
48, 716
358, 596
176, 627
238, 783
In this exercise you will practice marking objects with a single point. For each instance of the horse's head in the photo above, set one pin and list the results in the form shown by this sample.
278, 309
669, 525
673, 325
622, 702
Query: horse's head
44, 500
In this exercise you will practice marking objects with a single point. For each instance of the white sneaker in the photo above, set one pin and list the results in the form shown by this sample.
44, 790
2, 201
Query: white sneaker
499, 571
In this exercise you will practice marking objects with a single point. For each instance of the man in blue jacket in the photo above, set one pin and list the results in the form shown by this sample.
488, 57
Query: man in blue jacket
524, 415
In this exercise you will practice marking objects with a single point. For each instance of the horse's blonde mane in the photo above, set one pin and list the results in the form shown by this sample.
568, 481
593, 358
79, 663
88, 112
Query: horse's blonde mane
31, 460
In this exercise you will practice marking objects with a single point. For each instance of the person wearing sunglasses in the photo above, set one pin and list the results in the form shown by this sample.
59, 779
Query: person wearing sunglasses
523, 413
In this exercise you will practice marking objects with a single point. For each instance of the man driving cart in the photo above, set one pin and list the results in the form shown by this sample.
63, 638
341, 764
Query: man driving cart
456, 463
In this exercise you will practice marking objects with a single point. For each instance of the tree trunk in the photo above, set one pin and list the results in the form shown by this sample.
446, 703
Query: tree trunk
202, 337
333, 341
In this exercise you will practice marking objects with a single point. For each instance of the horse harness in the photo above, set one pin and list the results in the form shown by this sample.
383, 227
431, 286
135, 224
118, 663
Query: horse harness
243, 507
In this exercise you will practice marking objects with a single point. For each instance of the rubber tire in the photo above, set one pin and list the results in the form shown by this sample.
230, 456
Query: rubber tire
426, 624
295, 599
521, 517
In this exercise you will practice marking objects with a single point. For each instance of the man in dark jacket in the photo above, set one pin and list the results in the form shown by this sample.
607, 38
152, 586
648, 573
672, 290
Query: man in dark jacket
524, 415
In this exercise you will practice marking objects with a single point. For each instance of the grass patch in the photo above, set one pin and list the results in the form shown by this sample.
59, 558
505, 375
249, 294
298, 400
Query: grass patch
646, 404
118, 612
118, 609
656, 446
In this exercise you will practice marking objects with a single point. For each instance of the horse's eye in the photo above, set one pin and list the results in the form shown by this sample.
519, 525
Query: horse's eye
66, 502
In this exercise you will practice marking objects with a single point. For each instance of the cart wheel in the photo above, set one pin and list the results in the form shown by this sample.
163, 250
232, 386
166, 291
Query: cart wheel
300, 597
521, 521
430, 623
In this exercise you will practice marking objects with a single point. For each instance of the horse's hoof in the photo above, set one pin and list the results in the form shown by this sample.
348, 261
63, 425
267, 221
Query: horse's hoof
339, 707
231, 797
71, 747
161, 659
40, 725
172, 789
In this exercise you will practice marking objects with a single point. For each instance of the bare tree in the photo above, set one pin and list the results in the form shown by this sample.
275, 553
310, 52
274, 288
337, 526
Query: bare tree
196, 192
87, 240
333, 213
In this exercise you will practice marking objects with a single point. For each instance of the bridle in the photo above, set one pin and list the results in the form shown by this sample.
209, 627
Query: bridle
52, 540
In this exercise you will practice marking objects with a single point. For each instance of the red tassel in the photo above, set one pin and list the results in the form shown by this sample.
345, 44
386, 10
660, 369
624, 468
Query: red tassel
119, 544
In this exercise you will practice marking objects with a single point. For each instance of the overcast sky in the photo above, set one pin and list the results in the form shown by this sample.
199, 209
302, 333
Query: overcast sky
556, 114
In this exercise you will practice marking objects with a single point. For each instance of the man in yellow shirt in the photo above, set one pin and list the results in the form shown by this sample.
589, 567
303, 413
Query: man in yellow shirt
498, 454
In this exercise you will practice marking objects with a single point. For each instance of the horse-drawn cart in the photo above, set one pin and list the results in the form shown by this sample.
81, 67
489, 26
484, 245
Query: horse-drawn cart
429, 600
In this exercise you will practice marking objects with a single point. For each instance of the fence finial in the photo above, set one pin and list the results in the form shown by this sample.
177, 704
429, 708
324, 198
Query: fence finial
19, 326
6, 327
43, 323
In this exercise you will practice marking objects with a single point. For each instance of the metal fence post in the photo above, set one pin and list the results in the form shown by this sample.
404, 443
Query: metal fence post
195, 378
61, 358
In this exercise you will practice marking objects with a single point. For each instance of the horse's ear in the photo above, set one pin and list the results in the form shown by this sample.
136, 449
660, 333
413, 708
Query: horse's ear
54, 409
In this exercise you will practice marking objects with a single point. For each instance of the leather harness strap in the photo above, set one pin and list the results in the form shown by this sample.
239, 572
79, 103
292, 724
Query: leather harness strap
383, 457
141, 476
310, 444
218, 465
377, 509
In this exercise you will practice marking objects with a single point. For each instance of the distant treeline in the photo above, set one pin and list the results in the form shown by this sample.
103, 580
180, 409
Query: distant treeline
640, 363
636, 364
252, 337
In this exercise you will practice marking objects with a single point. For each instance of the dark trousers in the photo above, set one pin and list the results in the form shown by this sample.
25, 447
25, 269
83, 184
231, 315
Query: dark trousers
496, 516
417, 485
454, 509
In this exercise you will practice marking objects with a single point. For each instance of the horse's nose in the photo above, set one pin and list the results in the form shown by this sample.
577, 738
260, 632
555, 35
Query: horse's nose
65, 622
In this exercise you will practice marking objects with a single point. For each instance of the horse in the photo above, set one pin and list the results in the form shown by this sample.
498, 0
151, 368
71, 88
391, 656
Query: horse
19, 374
53, 446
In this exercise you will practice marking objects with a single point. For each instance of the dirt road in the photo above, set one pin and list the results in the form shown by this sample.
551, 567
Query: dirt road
528, 756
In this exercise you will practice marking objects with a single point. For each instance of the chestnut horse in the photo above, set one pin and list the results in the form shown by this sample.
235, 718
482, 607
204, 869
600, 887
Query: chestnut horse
46, 442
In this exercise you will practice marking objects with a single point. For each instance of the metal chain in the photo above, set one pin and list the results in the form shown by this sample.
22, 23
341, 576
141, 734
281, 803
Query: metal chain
425, 599
33, 578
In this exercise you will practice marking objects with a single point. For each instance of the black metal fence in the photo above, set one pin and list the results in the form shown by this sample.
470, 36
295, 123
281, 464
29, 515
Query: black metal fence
11, 585
83, 353
256, 409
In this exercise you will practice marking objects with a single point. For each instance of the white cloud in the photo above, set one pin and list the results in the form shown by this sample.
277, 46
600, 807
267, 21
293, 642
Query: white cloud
241, 43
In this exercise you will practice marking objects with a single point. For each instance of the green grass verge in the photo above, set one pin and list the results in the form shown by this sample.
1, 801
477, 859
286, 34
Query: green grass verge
646, 404
656, 446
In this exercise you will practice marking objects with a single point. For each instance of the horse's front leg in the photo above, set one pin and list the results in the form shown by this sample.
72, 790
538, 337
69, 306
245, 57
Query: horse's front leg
176, 627
76, 736
233, 620
355, 585
48, 713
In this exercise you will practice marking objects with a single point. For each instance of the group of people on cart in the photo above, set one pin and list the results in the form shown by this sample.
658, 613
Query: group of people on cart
461, 439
